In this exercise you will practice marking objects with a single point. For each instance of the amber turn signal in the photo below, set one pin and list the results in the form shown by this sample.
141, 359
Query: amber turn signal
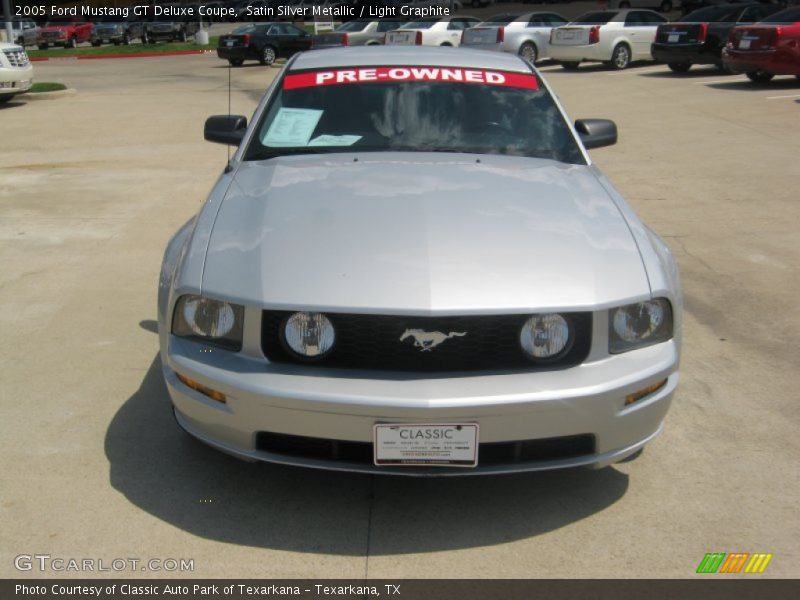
213, 394
650, 389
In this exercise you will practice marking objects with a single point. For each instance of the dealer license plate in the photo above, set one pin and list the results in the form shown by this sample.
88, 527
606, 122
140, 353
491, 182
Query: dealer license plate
673, 38
432, 445
229, 43
744, 44
401, 38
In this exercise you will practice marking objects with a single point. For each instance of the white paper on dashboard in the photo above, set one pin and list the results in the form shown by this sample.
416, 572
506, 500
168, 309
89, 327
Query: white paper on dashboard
334, 140
292, 127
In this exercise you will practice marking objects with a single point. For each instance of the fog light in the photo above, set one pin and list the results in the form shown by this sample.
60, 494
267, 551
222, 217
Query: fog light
650, 389
199, 387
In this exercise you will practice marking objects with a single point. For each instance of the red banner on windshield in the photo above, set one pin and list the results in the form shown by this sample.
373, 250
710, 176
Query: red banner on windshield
400, 74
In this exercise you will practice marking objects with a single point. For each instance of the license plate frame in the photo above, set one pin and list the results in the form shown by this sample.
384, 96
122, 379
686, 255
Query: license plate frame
419, 444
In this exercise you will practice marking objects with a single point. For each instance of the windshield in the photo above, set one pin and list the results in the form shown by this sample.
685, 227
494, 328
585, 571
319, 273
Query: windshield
595, 18
791, 15
500, 20
420, 25
415, 109
244, 29
712, 14
353, 26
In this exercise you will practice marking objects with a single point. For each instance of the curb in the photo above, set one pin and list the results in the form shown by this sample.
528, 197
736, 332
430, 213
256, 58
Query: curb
128, 55
47, 95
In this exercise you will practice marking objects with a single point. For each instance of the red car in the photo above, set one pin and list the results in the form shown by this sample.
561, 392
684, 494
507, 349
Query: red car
768, 48
63, 32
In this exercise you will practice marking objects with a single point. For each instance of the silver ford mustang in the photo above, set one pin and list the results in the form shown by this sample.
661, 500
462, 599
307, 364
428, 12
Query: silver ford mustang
411, 266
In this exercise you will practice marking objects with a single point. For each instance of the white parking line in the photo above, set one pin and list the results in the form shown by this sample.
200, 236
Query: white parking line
779, 97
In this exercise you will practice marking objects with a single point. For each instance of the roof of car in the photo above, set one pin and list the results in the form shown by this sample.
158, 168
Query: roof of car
428, 56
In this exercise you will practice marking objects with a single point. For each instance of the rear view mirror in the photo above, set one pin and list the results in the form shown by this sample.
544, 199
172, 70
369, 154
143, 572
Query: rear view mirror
225, 129
596, 133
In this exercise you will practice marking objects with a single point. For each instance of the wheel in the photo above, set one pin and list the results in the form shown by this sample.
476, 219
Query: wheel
760, 76
267, 56
446, 44
43, 46
679, 67
126, 39
182, 37
236, 62
145, 38
97, 43
116, 42
570, 65
666, 6
73, 42
621, 57
528, 52
5, 98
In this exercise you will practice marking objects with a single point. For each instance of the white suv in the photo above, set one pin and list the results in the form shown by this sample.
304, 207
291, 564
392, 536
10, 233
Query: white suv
16, 71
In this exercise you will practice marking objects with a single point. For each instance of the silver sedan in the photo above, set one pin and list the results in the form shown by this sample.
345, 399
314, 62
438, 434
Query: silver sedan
527, 35
412, 266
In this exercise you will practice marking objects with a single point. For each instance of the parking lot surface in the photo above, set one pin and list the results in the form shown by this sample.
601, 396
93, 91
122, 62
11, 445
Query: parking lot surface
92, 465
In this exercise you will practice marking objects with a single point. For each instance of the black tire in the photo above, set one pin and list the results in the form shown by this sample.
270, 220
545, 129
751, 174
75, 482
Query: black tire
44, 46
621, 57
679, 67
666, 6
72, 43
97, 44
570, 65
182, 37
116, 42
126, 39
529, 52
145, 38
236, 62
446, 45
268, 56
5, 98
760, 76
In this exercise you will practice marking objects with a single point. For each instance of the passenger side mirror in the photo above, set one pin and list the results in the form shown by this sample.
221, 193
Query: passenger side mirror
596, 133
225, 129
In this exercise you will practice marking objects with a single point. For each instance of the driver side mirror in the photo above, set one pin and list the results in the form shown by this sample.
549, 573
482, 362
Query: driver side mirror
596, 133
225, 129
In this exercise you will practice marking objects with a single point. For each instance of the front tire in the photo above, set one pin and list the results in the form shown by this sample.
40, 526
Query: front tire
528, 52
236, 62
621, 57
5, 98
44, 46
145, 38
570, 65
182, 37
760, 76
73, 42
126, 40
679, 67
268, 56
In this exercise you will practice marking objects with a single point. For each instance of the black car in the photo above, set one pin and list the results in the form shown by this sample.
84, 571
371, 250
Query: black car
116, 30
689, 6
170, 28
699, 37
263, 42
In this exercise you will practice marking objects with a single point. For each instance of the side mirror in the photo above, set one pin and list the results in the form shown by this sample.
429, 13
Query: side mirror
225, 129
596, 133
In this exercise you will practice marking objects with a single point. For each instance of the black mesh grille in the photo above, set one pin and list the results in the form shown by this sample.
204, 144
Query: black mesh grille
489, 454
373, 342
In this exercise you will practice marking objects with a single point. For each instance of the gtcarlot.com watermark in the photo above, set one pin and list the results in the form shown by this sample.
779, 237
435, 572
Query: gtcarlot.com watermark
47, 563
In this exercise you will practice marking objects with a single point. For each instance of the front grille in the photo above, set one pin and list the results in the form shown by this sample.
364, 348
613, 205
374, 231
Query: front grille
372, 342
489, 454
17, 58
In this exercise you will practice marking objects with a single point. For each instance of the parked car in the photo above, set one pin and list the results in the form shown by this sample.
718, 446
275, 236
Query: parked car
439, 31
357, 33
24, 32
699, 37
357, 291
64, 32
614, 37
768, 48
527, 35
16, 71
167, 28
689, 6
264, 42
664, 6
114, 30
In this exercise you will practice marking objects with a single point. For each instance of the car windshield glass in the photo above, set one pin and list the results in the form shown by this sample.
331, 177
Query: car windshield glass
415, 109
353, 26
500, 20
244, 29
420, 25
595, 18
712, 14
787, 16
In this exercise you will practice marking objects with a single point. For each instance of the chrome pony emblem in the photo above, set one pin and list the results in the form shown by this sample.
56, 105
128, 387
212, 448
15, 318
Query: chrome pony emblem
428, 340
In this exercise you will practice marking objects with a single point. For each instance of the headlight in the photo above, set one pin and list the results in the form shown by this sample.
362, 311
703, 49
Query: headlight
309, 335
638, 325
214, 321
545, 336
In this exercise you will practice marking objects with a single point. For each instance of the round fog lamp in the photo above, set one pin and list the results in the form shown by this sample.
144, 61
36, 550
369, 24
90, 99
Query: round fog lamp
309, 335
544, 336
209, 318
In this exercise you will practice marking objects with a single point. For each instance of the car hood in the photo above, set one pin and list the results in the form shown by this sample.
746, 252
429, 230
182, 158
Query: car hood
420, 233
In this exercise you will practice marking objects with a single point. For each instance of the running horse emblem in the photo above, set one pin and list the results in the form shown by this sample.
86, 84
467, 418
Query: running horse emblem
428, 340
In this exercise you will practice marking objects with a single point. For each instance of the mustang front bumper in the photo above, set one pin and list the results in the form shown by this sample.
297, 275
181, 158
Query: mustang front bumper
327, 404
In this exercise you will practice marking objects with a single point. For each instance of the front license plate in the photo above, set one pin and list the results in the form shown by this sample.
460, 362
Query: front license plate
432, 445
673, 38
744, 44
